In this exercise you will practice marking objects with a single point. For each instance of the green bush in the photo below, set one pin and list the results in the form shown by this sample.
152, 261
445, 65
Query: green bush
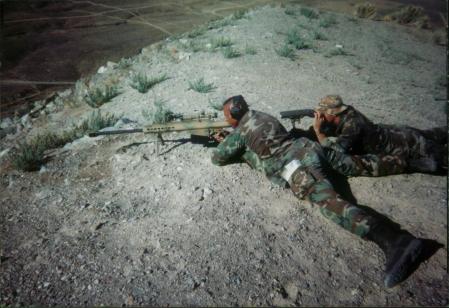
30, 155
328, 21
289, 12
240, 14
98, 97
200, 86
337, 52
125, 63
286, 52
294, 38
142, 83
308, 12
219, 42
216, 106
229, 52
250, 50
318, 36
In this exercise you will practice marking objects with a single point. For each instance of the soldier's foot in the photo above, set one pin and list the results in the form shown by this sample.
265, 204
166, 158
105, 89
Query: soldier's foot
423, 164
402, 260
402, 254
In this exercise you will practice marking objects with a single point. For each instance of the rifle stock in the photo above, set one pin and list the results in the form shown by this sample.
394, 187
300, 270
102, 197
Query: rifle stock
201, 128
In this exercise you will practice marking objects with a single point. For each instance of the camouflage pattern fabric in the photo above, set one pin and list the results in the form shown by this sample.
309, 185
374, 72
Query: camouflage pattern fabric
358, 135
349, 132
264, 143
405, 141
309, 182
366, 165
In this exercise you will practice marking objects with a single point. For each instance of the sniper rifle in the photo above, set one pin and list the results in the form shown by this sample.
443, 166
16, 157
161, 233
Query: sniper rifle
200, 126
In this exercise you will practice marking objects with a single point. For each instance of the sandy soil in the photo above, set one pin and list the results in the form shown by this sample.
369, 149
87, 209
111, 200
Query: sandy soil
107, 222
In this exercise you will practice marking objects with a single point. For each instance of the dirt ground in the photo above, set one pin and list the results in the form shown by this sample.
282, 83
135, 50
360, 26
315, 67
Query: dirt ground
106, 222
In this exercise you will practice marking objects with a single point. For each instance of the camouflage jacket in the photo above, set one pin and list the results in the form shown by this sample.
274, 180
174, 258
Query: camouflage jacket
262, 142
350, 133
356, 135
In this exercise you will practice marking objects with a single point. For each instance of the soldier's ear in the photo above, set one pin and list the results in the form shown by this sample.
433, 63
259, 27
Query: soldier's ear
238, 108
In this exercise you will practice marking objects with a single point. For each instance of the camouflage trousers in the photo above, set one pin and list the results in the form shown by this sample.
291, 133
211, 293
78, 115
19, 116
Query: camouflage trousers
366, 165
309, 182
408, 142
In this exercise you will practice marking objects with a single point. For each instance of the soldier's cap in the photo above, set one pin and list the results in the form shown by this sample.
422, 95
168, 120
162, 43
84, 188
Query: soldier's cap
331, 104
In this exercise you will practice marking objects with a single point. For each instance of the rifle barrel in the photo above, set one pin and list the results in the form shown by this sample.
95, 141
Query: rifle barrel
112, 132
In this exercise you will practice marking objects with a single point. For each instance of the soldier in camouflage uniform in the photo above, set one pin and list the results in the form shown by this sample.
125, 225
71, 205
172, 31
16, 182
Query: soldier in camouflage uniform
264, 143
424, 150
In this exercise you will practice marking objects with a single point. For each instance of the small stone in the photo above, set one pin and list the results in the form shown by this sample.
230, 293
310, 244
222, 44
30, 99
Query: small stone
111, 64
44, 193
6, 122
102, 70
207, 192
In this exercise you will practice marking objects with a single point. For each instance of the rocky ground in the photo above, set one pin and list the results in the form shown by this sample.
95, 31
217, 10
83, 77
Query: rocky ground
107, 222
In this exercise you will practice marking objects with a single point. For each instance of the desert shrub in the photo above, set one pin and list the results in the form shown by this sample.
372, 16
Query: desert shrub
161, 115
239, 14
365, 10
292, 36
250, 50
216, 106
142, 83
200, 86
98, 97
289, 12
337, 52
328, 21
308, 12
229, 52
197, 31
30, 154
409, 15
286, 51
318, 36
125, 63
301, 44
219, 42
28, 159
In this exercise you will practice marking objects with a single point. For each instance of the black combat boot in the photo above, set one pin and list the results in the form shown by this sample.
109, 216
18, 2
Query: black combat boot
401, 253
423, 164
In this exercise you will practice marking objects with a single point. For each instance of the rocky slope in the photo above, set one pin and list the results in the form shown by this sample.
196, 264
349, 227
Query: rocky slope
107, 222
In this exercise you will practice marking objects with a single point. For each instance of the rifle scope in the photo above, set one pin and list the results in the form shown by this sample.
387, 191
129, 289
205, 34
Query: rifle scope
296, 114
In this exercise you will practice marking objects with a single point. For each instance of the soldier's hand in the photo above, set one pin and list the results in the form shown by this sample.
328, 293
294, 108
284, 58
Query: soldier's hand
318, 122
221, 135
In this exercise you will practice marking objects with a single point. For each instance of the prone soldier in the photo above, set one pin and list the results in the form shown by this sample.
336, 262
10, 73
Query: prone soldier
263, 142
424, 150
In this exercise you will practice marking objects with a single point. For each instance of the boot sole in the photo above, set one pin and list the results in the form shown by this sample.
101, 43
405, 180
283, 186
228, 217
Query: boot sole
405, 264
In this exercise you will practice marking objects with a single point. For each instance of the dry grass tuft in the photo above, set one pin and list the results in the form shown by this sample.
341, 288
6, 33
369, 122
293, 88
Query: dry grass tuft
410, 15
365, 10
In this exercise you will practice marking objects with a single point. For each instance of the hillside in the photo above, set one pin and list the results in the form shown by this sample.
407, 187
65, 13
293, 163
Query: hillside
107, 222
